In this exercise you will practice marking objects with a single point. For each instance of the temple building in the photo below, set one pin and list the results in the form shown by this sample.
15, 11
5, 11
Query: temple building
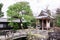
4, 24
45, 20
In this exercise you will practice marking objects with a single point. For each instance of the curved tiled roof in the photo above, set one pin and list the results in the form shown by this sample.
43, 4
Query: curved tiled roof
44, 15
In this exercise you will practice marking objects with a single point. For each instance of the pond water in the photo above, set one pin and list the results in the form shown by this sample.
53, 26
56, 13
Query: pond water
23, 38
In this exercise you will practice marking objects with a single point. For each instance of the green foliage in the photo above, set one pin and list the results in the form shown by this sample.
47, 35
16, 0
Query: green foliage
14, 25
14, 12
33, 23
1, 13
28, 18
16, 8
1, 5
58, 22
58, 17
26, 24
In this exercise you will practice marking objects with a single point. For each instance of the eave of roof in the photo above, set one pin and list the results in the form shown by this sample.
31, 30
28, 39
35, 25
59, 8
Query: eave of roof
44, 17
6, 20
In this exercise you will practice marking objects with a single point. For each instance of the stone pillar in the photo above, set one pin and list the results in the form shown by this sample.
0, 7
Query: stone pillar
42, 25
37, 23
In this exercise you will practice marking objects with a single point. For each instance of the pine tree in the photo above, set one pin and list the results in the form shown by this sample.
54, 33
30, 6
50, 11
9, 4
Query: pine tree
1, 13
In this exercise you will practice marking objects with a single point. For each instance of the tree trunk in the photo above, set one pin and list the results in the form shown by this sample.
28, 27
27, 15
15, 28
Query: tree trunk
21, 23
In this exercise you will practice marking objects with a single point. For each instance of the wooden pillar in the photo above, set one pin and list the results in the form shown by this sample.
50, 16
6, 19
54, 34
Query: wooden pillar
47, 24
42, 25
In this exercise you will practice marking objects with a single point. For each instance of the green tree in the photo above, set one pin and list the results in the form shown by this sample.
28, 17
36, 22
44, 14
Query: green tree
1, 13
58, 17
20, 10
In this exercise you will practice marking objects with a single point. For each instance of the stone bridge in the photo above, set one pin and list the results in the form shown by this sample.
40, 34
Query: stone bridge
23, 33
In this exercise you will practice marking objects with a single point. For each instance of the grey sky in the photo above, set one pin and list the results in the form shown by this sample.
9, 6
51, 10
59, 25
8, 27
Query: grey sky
36, 5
